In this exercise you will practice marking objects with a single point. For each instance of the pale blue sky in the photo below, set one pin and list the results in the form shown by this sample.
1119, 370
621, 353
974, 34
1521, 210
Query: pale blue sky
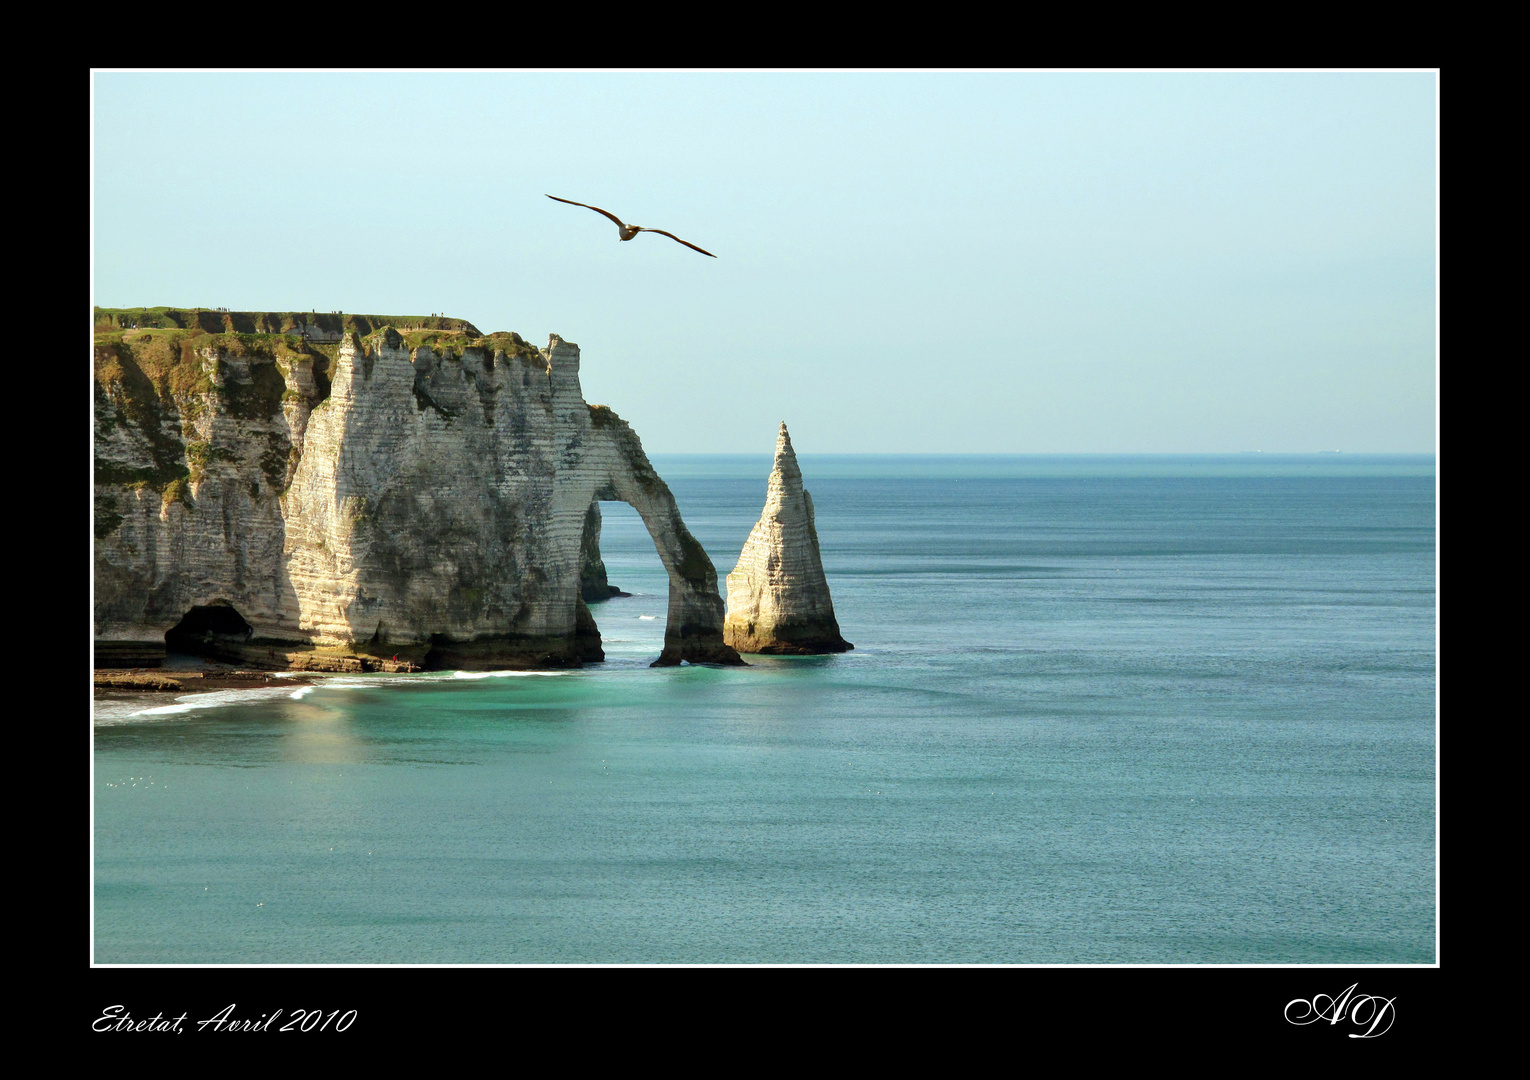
907, 261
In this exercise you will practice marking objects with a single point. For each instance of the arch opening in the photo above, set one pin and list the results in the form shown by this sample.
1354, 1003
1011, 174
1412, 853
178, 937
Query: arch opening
594, 584
623, 582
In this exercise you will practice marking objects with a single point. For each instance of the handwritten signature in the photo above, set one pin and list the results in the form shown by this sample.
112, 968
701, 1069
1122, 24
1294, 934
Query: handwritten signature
118, 1018
1360, 1009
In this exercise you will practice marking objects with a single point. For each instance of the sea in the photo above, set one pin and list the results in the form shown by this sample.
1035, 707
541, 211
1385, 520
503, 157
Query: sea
1156, 710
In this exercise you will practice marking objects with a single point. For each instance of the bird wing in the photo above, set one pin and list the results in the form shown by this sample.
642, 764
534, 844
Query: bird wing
620, 224
687, 243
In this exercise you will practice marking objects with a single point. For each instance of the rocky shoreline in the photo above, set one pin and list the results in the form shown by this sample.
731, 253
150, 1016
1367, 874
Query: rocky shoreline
180, 682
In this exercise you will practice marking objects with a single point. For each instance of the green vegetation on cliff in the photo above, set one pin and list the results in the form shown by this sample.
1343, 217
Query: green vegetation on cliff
217, 321
158, 383
135, 388
510, 345
456, 342
157, 370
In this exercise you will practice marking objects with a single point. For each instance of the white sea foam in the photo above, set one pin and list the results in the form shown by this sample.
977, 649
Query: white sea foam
648, 616
118, 711
394, 682
126, 710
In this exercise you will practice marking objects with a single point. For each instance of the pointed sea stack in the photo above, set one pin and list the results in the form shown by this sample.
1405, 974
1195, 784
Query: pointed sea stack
778, 599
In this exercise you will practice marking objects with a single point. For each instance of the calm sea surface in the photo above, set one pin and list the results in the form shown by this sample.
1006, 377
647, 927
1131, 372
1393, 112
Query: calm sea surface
1100, 710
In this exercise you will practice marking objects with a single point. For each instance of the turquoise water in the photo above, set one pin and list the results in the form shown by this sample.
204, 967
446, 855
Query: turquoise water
1100, 710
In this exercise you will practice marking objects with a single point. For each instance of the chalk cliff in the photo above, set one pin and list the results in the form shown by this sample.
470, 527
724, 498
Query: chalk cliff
428, 495
778, 598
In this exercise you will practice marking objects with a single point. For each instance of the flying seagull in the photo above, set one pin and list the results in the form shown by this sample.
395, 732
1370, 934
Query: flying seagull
629, 231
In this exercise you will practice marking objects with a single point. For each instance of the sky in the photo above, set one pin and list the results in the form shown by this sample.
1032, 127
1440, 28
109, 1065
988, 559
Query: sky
907, 261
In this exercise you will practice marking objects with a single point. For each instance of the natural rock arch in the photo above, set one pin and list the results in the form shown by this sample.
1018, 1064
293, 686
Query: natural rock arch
447, 496
693, 630
428, 500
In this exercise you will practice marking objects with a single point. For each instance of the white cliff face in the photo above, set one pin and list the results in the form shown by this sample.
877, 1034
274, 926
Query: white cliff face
433, 503
187, 487
778, 598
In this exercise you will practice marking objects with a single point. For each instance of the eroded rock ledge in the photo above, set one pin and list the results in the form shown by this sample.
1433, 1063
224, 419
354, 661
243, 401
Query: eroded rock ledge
424, 496
778, 597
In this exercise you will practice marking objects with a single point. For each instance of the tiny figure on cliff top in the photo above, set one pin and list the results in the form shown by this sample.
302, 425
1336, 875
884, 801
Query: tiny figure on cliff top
629, 231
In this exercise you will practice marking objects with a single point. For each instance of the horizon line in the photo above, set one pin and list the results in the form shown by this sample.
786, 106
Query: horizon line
1057, 453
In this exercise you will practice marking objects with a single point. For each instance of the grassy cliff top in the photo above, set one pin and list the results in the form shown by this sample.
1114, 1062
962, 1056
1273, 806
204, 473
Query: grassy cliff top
172, 342
215, 321
270, 333
455, 341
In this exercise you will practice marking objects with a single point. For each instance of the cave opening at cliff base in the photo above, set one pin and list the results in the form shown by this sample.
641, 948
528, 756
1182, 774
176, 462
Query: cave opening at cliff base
204, 628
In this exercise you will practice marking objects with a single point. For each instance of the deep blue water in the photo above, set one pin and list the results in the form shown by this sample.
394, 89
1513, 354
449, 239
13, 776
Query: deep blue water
1100, 710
